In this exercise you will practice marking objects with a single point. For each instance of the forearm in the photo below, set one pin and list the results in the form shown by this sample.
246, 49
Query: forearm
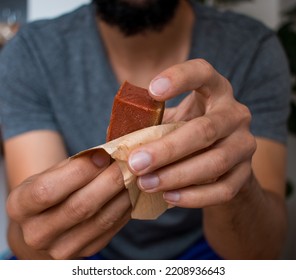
251, 226
20, 248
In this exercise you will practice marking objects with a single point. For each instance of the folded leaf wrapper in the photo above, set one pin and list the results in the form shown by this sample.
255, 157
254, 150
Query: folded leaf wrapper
145, 206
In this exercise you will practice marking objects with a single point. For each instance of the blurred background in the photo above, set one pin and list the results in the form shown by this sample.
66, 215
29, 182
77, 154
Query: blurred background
279, 15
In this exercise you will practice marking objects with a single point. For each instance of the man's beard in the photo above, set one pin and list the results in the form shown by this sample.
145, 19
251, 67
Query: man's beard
136, 16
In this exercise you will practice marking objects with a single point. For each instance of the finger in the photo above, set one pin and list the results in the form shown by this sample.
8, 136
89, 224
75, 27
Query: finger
194, 74
201, 168
222, 191
40, 230
102, 241
49, 188
169, 115
96, 232
192, 106
198, 134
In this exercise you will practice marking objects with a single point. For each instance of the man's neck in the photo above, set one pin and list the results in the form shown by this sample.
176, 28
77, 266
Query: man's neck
138, 58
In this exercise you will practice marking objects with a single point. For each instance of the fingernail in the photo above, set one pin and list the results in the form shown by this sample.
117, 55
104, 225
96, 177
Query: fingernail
173, 196
140, 161
100, 159
159, 86
149, 181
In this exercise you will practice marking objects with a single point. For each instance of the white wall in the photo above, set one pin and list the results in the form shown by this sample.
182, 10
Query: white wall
38, 9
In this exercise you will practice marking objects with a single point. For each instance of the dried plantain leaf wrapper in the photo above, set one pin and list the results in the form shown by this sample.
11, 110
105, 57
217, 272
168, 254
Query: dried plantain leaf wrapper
145, 206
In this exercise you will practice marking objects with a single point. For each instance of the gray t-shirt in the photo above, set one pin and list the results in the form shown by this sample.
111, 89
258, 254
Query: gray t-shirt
55, 75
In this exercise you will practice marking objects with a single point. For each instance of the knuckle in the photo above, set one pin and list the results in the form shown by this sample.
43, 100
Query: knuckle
33, 238
173, 178
78, 170
105, 221
249, 144
59, 253
179, 177
41, 191
168, 148
90, 251
208, 69
245, 114
55, 254
252, 144
15, 200
219, 164
78, 209
227, 87
228, 192
95, 246
207, 130
12, 208
117, 177
31, 241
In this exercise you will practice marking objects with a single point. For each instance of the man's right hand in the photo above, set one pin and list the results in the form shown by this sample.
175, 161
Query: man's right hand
73, 209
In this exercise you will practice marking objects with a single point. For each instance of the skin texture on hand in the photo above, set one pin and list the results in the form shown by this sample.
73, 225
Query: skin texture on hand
207, 163
71, 218
217, 129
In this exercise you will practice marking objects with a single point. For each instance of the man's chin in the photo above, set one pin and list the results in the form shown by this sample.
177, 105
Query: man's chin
134, 17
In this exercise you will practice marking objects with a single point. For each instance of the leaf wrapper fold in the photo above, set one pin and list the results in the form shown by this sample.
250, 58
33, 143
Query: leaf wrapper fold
145, 206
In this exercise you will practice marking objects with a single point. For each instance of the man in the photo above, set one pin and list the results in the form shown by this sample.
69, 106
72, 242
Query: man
58, 80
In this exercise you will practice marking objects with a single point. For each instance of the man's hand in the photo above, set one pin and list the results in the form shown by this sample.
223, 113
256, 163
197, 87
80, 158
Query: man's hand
208, 160
207, 163
73, 209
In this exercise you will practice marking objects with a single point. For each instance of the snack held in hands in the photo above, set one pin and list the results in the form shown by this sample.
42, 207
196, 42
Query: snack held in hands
134, 122
133, 109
